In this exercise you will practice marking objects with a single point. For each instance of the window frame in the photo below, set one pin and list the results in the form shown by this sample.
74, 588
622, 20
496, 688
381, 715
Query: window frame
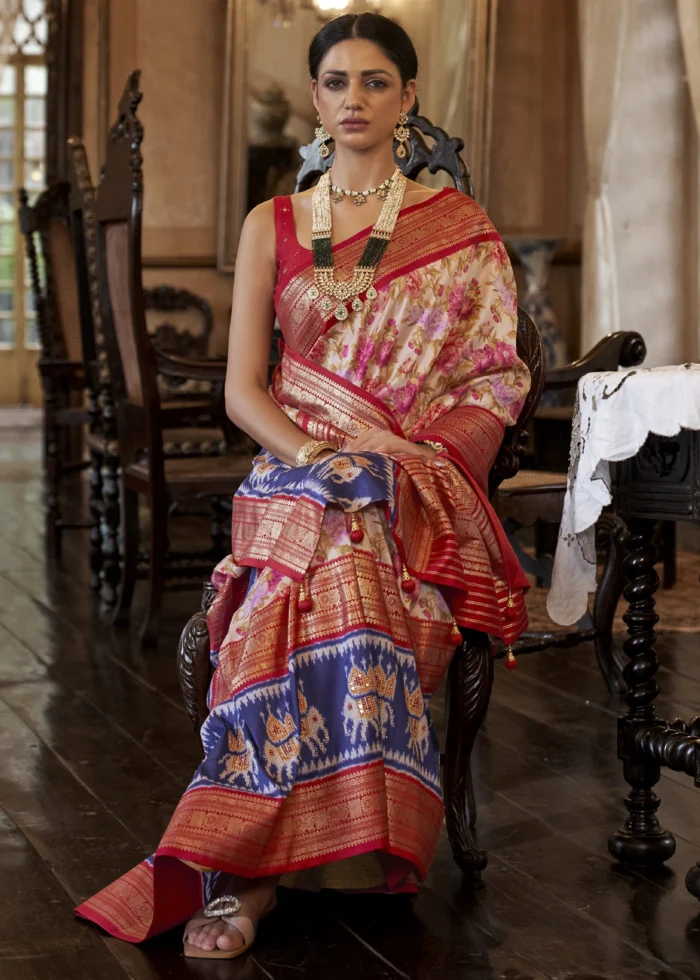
21, 282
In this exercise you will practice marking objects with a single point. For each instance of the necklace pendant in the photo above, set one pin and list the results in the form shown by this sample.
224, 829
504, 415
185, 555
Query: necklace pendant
337, 298
383, 193
338, 196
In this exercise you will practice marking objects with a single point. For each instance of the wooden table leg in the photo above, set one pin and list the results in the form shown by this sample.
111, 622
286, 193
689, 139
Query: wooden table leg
607, 596
641, 840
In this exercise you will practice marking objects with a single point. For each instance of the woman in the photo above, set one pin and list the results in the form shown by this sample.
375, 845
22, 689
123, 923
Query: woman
362, 539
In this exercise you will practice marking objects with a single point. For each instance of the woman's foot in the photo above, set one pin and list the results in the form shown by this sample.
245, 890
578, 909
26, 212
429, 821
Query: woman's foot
257, 897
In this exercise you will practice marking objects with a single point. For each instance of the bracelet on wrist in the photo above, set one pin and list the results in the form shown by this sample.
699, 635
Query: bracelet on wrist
311, 449
438, 447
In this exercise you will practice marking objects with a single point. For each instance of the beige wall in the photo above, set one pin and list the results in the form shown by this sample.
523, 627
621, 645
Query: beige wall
179, 46
537, 167
536, 156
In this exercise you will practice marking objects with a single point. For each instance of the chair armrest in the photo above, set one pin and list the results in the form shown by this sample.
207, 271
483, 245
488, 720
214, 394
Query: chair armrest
191, 368
626, 348
61, 367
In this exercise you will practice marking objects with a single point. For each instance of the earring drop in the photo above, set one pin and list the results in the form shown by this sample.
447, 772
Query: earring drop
402, 135
322, 134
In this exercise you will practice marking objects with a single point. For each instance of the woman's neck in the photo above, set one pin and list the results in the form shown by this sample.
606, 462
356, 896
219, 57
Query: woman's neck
360, 171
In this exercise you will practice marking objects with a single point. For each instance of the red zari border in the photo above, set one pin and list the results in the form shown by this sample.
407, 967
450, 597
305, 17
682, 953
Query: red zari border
249, 835
345, 410
430, 548
472, 435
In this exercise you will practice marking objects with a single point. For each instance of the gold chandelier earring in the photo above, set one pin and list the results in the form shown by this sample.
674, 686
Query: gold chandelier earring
322, 134
402, 135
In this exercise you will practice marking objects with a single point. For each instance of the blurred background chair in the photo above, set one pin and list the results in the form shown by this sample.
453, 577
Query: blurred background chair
194, 421
141, 416
70, 400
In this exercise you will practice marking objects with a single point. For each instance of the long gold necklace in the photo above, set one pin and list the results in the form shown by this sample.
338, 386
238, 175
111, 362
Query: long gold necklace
362, 279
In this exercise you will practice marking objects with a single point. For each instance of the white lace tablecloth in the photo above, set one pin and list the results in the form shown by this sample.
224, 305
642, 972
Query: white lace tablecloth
615, 412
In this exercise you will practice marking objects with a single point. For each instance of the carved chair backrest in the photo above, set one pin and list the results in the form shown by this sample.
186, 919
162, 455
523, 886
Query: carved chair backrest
189, 309
442, 155
53, 276
84, 234
118, 211
530, 350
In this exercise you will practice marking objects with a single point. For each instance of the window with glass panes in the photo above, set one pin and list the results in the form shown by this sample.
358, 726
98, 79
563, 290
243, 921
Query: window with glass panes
23, 83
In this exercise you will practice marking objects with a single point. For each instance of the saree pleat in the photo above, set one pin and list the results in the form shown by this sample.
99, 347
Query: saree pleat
320, 759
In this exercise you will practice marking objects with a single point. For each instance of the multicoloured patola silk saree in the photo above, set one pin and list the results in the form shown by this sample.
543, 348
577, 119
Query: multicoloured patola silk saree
336, 611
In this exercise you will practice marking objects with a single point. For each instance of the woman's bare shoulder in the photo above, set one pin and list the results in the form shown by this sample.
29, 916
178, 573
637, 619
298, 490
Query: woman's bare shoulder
261, 217
417, 193
301, 202
258, 230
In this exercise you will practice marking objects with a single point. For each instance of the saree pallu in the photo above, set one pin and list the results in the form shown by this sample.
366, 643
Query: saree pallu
336, 613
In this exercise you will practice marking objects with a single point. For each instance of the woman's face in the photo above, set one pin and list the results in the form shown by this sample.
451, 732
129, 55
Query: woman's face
359, 95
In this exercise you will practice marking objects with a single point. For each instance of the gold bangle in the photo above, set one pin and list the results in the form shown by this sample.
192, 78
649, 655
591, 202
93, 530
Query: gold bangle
311, 449
321, 447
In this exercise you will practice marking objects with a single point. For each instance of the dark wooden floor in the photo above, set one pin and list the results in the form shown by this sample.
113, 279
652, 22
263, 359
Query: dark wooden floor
96, 748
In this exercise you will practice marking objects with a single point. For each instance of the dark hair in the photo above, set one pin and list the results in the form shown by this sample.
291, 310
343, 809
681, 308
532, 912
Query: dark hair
385, 33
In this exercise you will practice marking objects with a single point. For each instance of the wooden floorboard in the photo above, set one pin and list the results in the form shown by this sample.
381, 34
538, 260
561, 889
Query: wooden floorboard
97, 748
43, 941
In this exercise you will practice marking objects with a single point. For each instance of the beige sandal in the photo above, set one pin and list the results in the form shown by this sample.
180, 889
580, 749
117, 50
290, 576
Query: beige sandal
225, 908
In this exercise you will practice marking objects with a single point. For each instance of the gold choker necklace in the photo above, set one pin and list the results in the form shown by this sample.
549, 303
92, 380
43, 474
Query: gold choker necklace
360, 197
362, 279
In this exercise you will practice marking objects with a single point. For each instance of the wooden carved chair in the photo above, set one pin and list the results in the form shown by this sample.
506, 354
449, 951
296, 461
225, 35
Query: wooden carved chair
133, 364
530, 497
192, 427
102, 439
536, 497
65, 349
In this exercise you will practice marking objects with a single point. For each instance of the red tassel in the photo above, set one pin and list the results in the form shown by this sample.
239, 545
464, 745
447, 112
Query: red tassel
408, 584
511, 662
456, 635
511, 611
356, 532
